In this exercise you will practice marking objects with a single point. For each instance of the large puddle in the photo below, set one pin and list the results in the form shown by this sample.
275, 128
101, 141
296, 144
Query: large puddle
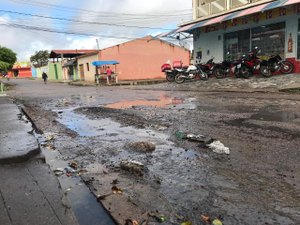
162, 102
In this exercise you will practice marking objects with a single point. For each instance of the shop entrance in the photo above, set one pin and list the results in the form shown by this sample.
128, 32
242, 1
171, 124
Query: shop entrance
269, 38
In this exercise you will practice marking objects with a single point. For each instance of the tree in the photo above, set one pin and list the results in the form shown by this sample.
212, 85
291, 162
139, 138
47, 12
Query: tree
7, 58
40, 58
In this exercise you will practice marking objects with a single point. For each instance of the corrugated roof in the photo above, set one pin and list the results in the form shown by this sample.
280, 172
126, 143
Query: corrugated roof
70, 53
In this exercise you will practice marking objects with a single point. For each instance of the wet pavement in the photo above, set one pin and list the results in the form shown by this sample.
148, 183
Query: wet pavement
181, 180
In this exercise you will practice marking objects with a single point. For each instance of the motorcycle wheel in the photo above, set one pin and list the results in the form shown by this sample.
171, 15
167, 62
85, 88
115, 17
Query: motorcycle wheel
218, 73
265, 71
179, 79
204, 76
286, 67
245, 72
170, 77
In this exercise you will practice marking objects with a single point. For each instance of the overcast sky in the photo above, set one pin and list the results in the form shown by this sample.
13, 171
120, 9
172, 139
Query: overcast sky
27, 26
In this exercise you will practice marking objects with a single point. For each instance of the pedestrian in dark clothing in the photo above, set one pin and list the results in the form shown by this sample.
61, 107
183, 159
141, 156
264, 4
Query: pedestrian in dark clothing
45, 77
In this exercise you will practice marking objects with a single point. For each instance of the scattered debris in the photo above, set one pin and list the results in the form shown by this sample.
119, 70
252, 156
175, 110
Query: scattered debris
71, 170
218, 147
158, 217
58, 171
217, 222
186, 223
206, 218
73, 165
102, 197
133, 167
141, 146
131, 222
50, 137
191, 137
116, 190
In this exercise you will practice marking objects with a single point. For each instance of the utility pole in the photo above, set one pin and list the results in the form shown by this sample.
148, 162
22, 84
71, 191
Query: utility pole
97, 43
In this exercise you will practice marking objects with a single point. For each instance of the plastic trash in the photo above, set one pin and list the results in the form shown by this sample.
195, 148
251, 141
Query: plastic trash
218, 147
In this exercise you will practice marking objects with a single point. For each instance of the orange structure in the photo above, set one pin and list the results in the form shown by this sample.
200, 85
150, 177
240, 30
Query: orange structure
139, 59
21, 69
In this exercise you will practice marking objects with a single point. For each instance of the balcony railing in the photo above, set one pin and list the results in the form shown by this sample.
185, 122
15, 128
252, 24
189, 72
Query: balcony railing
207, 8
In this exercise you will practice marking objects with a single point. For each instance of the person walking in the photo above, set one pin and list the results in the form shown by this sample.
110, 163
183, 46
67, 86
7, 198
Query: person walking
45, 77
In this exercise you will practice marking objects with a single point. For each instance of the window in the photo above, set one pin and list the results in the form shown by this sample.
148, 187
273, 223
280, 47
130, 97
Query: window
270, 39
237, 43
87, 66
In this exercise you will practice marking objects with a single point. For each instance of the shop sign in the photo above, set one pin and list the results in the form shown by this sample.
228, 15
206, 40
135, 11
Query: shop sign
269, 14
282, 11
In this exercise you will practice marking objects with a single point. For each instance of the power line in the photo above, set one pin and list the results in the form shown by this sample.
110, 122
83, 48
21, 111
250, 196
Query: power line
62, 8
82, 21
27, 27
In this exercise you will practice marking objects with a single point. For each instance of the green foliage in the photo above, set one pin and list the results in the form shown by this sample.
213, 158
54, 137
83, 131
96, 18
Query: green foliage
4, 66
7, 58
40, 58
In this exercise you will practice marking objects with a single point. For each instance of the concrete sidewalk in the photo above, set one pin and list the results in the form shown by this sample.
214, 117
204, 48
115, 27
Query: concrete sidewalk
29, 191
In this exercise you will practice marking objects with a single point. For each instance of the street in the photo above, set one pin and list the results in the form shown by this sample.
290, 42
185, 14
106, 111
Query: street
108, 133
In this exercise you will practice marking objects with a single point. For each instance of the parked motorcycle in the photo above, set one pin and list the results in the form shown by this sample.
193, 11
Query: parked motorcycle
275, 64
208, 67
169, 72
222, 70
193, 72
247, 64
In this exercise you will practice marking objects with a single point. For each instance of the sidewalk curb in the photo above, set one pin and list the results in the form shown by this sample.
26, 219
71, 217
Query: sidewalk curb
18, 144
34, 153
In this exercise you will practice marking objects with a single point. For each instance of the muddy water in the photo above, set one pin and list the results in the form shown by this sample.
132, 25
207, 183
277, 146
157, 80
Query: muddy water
172, 166
162, 102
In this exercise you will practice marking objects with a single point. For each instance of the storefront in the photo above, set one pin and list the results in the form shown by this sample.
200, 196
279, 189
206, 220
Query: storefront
273, 27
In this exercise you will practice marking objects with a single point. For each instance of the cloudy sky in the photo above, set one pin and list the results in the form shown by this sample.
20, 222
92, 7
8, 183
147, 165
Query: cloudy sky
27, 26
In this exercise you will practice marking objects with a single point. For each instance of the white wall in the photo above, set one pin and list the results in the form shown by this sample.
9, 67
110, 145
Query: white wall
88, 75
210, 45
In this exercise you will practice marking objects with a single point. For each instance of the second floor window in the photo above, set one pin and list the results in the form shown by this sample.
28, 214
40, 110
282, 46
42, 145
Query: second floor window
87, 66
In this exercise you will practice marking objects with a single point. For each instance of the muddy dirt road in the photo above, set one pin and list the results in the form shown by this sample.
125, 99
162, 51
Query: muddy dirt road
131, 146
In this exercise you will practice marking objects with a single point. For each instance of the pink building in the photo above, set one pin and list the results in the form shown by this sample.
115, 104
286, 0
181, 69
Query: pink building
139, 59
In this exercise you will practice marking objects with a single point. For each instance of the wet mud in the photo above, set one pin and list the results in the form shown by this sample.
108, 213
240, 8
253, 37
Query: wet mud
181, 180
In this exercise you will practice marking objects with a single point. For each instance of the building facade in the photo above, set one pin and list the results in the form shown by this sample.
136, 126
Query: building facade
63, 64
139, 59
236, 26
21, 70
85, 68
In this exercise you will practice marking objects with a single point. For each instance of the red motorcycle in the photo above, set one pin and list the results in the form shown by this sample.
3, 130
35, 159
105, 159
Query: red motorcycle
207, 67
247, 64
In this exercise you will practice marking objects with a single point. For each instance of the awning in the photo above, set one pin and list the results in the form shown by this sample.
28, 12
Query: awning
241, 13
185, 28
102, 63
289, 2
246, 12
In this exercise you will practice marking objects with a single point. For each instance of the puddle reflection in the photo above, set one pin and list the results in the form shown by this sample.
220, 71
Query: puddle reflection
163, 101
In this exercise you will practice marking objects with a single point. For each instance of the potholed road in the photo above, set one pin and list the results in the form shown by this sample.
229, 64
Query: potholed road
257, 183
